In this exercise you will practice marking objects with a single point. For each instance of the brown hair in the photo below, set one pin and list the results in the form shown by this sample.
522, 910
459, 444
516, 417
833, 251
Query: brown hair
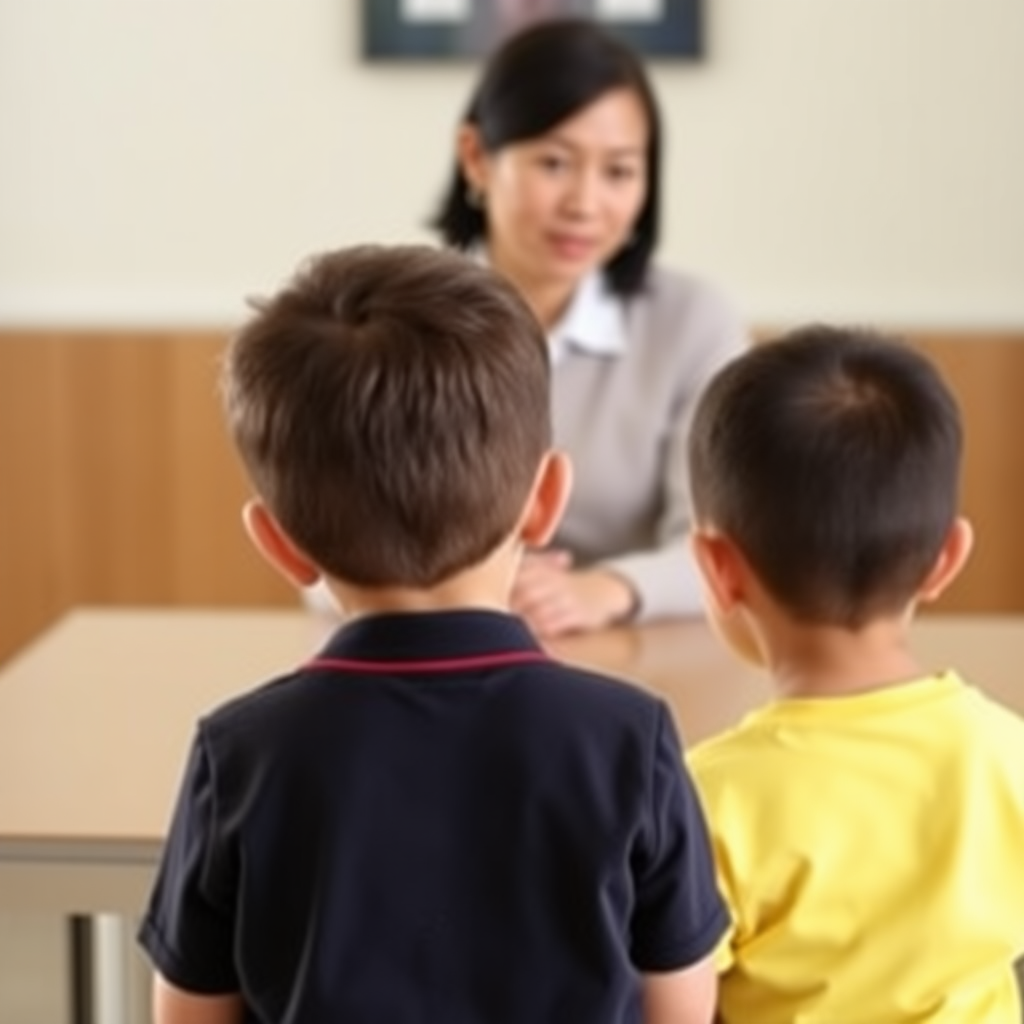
391, 405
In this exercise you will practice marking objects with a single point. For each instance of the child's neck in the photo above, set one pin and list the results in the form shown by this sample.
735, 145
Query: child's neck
830, 661
486, 585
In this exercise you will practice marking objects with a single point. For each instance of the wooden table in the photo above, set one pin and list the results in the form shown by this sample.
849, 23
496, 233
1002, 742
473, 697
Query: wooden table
96, 716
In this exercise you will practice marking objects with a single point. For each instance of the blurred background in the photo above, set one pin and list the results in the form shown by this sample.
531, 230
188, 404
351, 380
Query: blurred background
856, 160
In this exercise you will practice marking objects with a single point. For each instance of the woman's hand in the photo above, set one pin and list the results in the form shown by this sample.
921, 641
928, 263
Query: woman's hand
555, 599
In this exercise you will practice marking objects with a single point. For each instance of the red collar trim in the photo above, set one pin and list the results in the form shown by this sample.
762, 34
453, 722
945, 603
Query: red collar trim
428, 664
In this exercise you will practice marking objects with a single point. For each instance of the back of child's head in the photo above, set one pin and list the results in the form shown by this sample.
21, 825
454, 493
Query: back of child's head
391, 405
831, 458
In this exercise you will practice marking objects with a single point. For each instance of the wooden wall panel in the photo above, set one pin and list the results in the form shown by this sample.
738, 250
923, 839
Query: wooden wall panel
987, 375
117, 536
118, 483
157, 486
31, 492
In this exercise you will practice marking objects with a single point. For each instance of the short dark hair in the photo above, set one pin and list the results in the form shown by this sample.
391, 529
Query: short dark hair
391, 405
831, 457
537, 79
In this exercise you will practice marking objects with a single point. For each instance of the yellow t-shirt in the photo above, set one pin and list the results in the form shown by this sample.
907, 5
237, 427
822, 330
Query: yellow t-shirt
871, 849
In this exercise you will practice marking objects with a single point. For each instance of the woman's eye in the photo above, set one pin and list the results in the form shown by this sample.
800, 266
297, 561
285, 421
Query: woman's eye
623, 172
551, 162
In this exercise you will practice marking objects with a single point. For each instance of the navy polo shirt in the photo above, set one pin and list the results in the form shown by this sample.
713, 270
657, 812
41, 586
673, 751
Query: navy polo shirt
434, 822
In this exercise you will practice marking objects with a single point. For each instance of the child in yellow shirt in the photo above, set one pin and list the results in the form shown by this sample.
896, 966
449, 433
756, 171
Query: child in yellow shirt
868, 824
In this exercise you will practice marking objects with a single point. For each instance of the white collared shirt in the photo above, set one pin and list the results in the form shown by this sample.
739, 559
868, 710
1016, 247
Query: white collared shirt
594, 321
627, 373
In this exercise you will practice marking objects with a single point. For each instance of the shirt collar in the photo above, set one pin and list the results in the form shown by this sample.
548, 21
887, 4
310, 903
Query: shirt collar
419, 637
594, 321
795, 711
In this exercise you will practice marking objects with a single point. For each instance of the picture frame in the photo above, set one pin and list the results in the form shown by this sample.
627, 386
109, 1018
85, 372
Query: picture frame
445, 30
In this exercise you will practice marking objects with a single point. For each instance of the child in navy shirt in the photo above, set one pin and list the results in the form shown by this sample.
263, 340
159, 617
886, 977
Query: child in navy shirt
432, 820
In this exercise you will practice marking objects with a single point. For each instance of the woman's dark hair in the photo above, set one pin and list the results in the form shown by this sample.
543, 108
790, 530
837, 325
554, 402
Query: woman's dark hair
535, 81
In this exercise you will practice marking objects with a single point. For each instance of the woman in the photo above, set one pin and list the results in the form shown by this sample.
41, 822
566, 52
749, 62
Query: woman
556, 184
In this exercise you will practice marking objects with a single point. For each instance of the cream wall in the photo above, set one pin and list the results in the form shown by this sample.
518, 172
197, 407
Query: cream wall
160, 159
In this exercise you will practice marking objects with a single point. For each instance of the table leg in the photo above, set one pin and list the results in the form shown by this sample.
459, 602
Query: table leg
80, 959
121, 976
110, 981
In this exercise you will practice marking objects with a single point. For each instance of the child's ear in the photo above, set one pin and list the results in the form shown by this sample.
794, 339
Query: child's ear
952, 557
276, 546
722, 567
547, 500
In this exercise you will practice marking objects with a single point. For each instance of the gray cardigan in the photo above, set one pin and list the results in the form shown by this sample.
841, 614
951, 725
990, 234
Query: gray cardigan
622, 404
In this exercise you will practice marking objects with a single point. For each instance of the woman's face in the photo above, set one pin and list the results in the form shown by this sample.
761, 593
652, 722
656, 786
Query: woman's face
563, 203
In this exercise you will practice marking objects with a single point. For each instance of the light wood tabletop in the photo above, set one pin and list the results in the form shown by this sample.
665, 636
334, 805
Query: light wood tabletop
97, 713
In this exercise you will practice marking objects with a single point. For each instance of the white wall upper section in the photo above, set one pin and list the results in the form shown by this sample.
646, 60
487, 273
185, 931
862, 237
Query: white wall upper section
161, 159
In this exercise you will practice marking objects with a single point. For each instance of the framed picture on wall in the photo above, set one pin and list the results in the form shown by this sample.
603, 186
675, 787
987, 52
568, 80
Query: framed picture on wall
452, 29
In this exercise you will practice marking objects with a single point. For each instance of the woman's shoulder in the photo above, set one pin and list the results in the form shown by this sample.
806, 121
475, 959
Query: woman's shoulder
670, 288
675, 304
